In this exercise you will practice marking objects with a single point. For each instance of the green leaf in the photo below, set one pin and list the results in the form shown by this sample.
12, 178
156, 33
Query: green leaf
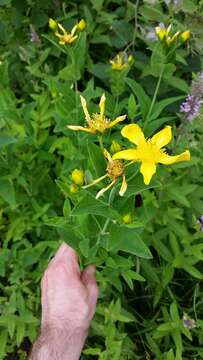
128, 240
160, 106
137, 186
132, 107
193, 271
179, 84
143, 99
70, 73
20, 331
6, 140
189, 6
174, 312
7, 191
66, 208
89, 205
3, 342
168, 327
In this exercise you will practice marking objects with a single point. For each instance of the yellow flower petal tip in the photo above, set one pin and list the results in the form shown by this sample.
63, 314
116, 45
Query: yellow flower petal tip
81, 25
96, 122
78, 177
53, 24
185, 36
149, 152
123, 187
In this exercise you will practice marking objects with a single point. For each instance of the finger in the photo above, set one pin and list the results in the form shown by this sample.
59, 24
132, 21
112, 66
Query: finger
66, 257
89, 280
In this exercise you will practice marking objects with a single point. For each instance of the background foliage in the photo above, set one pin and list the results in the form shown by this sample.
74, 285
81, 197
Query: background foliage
150, 268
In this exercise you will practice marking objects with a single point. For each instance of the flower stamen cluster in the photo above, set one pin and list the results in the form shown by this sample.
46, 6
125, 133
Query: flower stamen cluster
96, 122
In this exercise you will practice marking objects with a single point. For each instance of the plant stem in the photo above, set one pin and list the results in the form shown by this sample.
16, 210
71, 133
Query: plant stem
101, 143
103, 230
155, 95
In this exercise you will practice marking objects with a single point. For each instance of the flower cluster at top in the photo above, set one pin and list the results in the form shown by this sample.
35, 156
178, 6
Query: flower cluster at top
165, 34
148, 152
191, 107
64, 36
121, 60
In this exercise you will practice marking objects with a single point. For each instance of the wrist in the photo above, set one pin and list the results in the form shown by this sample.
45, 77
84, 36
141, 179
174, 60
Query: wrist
54, 344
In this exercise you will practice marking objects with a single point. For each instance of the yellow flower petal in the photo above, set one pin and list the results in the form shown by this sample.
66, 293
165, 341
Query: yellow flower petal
161, 33
116, 121
74, 29
53, 24
73, 39
185, 35
102, 105
167, 159
81, 128
102, 191
162, 138
133, 133
81, 25
84, 106
107, 156
123, 187
147, 169
130, 154
62, 28
96, 181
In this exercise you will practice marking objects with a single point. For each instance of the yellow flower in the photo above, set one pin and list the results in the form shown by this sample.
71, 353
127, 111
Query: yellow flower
185, 36
62, 34
81, 25
114, 170
74, 189
161, 32
127, 218
78, 177
96, 122
115, 147
120, 61
164, 34
53, 24
149, 151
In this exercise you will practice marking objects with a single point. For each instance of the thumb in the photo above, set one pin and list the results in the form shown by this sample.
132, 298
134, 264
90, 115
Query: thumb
89, 280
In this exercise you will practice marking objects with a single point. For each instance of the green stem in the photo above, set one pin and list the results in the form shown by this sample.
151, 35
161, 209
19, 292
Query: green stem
101, 144
103, 230
155, 95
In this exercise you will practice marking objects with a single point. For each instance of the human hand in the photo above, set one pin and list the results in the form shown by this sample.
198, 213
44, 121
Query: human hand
68, 305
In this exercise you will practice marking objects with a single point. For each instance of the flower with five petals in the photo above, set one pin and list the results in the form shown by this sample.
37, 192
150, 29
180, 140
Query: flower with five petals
149, 151
96, 122
114, 170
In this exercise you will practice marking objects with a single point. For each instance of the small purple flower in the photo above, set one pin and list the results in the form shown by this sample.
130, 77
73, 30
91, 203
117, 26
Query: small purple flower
191, 107
200, 221
188, 323
34, 38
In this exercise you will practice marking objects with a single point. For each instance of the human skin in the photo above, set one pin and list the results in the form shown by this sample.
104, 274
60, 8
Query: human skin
68, 299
